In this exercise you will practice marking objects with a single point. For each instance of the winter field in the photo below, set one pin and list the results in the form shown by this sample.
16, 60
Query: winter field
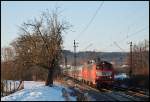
37, 91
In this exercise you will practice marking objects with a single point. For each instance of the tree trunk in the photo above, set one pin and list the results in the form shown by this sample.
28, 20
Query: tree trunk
49, 81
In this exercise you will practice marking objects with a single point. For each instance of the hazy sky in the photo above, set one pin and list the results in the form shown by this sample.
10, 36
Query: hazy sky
120, 21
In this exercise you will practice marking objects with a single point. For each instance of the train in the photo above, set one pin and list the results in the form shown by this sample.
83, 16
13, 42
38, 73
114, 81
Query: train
95, 73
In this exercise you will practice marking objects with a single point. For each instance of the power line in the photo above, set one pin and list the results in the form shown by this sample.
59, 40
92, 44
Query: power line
119, 46
130, 72
135, 33
75, 63
88, 46
132, 34
90, 20
93, 19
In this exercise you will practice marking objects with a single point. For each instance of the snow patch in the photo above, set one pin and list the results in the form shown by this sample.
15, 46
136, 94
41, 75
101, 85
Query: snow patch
37, 91
121, 76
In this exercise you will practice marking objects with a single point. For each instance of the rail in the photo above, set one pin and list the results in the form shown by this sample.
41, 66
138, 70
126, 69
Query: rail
130, 93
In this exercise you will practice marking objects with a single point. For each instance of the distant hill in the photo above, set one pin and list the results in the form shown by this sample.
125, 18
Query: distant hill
117, 57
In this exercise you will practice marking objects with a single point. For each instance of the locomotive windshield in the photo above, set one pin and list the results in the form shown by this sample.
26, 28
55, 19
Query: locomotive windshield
104, 65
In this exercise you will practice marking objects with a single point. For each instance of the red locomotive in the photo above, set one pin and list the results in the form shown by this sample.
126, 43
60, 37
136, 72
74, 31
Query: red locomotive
98, 73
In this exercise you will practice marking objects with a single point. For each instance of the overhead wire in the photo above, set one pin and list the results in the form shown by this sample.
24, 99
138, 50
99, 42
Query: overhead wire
119, 46
132, 34
128, 36
87, 47
87, 26
90, 22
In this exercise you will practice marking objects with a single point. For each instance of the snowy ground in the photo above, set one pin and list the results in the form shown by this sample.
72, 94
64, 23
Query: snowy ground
36, 91
121, 76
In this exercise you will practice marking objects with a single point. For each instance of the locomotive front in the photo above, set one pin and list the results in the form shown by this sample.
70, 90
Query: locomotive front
104, 74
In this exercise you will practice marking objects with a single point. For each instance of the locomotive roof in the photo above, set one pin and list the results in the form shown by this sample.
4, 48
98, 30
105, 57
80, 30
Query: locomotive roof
104, 62
98, 62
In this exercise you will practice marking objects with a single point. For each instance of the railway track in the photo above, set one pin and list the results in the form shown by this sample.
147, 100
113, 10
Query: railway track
133, 91
115, 94
126, 95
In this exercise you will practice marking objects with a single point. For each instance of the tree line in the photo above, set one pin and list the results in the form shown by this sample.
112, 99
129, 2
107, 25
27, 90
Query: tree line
140, 58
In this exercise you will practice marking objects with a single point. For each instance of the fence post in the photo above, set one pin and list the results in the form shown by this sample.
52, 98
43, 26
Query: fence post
2, 87
6, 87
14, 85
10, 86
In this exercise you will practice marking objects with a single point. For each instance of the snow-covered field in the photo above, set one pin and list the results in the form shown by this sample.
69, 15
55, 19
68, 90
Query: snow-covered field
37, 91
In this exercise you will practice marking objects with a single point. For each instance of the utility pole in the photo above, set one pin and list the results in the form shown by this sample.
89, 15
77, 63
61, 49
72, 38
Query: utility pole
141, 57
130, 72
145, 46
66, 70
93, 55
75, 46
66, 62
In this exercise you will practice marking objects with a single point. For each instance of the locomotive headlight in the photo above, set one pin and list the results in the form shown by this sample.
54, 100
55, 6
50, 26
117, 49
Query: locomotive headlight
97, 67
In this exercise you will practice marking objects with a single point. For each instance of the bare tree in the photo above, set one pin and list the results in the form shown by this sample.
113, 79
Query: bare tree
140, 58
7, 64
41, 43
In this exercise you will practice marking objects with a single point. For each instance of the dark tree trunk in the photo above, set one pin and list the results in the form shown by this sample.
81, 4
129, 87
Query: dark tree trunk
49, 81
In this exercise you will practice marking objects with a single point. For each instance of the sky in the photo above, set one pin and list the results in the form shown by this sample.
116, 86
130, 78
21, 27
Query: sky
116, 21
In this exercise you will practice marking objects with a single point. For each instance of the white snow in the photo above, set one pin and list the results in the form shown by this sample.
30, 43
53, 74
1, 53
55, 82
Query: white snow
121, 76
32, 84
37, 91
